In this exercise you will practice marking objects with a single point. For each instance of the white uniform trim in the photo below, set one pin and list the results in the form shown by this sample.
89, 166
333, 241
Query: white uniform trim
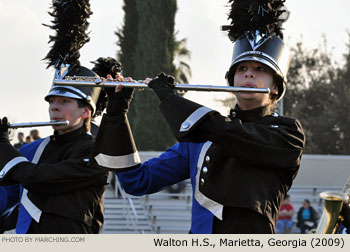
118, 162
40, 150
10, 164
193, 118
32, 209
214, 207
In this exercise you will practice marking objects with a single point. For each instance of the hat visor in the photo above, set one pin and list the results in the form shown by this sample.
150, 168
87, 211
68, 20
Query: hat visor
70, 92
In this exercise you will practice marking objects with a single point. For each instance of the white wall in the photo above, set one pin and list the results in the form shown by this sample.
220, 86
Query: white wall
323, 170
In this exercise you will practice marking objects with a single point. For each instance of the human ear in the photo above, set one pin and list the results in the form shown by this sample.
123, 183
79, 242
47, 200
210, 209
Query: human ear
274, 89
86, 113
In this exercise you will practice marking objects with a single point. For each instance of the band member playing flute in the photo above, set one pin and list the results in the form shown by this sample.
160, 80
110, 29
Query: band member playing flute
240, 166
57, 191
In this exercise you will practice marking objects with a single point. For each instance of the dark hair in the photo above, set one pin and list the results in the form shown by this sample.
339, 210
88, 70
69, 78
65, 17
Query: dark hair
307, 201
87, 121
278, 81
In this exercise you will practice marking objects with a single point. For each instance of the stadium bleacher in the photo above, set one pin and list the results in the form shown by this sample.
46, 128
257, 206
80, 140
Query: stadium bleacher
165, 213
170, 213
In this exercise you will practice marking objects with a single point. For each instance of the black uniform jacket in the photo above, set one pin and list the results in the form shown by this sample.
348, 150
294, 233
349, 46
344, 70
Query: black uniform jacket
67, 191
253, 157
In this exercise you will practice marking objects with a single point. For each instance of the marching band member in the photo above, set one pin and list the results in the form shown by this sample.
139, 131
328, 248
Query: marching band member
240, 166
57, 191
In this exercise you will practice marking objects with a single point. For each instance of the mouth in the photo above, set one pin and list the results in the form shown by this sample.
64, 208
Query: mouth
249, 85
56, 119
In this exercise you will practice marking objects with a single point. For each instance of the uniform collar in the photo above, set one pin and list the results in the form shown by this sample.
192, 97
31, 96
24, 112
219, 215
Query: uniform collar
251, 115
68, 136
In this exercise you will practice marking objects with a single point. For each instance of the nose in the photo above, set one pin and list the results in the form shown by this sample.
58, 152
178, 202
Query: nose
54, 106
249, 73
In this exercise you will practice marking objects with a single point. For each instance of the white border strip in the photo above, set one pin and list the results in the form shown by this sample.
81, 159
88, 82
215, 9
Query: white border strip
118, 162
214, 207
31, 208
194, 117
40, 150
10, 164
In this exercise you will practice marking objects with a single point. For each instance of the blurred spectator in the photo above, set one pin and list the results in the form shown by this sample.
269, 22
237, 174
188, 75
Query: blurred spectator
307, 217
28, 139
20, 137
284, 222
35, 134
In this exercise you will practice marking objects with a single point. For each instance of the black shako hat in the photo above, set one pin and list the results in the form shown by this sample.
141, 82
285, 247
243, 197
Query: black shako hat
70, 24
257, 35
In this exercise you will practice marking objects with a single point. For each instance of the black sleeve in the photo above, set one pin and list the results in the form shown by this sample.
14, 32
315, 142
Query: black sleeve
255, 143
70, 174
115, 149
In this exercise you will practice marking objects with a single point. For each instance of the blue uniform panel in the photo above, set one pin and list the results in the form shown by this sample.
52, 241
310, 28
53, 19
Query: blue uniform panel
10, 195
28, 150
9, 198
176, 164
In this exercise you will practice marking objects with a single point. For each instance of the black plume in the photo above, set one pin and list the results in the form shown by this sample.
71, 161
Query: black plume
104, 66
252, 15
70, 24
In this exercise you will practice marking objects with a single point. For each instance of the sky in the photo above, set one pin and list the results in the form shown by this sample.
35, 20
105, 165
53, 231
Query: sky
25, 79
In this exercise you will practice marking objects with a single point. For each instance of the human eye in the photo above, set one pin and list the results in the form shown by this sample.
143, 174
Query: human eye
66, 101
261, 68
242, 68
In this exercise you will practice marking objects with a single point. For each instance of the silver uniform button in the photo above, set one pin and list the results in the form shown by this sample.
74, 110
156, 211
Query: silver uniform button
207, 159
274, 114
233, 114
202, 182
186, 125
205, 170
274, 126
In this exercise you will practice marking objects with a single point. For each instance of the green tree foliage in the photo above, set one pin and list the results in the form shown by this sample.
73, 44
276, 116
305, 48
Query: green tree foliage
147, 47
317, 91
182, 54
127, 38
342, 104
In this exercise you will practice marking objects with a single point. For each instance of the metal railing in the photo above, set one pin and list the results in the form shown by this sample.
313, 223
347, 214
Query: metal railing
131, 216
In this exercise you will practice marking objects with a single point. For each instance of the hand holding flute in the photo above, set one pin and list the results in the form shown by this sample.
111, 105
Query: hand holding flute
163, 86
119, 98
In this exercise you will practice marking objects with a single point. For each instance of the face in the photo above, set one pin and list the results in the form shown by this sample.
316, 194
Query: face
306, 204
253, 74
64, 108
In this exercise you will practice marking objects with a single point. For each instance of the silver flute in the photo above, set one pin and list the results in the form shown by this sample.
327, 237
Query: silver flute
37, 124
98, 82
